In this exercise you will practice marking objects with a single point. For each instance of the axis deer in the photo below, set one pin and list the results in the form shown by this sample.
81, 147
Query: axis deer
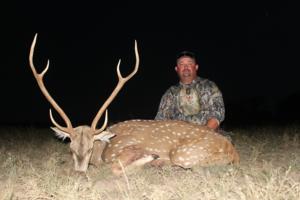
82, 137
134, 143
161, 142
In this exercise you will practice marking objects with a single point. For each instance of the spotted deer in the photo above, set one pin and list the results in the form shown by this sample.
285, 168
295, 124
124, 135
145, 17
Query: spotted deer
171, 142
134, 143
82, 137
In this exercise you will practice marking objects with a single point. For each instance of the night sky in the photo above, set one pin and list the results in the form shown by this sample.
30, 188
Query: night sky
250, 50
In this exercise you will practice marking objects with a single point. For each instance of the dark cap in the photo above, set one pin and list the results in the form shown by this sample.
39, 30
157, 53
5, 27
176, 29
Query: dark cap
186, 54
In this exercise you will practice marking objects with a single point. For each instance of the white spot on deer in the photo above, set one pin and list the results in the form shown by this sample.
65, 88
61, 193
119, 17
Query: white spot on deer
157, 150
181, 158
130, 142
113, 155
221, 150
187, 158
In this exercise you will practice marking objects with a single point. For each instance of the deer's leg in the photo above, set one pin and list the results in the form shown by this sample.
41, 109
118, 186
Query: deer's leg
203, 153
158, 163
183, 156
131, 158
96, 158
220, 152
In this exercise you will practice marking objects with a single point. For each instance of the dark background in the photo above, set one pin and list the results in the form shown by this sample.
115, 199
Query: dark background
249, 49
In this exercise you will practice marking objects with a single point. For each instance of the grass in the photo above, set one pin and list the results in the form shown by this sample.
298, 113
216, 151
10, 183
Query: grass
36, 165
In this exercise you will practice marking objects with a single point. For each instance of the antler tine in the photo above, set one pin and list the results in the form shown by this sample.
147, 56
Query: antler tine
39, 79
121, 82
104, 124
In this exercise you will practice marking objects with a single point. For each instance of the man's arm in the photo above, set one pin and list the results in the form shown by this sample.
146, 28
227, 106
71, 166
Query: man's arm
166, 106
216, 108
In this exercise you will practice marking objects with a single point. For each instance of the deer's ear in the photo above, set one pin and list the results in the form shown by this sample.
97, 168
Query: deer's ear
60, 134
104, 136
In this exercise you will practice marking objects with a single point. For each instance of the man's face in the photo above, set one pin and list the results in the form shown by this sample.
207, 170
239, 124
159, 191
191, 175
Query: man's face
186, 69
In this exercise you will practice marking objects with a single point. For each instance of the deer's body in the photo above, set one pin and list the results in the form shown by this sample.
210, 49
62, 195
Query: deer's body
167, 142
136, 142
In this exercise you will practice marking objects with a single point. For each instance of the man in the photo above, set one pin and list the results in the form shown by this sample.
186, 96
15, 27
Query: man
193, 99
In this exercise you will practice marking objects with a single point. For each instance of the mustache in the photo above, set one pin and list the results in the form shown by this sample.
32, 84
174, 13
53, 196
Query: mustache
186, 71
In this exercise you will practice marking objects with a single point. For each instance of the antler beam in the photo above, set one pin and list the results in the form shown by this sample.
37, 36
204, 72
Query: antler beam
121, 82
39, 79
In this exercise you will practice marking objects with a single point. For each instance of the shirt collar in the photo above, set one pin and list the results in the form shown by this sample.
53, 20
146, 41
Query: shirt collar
190, 84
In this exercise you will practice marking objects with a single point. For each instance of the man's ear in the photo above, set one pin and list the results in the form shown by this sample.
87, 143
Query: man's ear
176, 68
60, 134
197, 66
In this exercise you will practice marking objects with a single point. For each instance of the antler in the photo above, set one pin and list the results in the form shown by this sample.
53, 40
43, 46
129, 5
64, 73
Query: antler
39, 79
121, 82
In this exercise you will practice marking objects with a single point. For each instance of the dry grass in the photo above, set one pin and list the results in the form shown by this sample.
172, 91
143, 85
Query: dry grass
36, 165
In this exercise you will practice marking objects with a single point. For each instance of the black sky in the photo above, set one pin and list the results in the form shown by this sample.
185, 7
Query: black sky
249, 49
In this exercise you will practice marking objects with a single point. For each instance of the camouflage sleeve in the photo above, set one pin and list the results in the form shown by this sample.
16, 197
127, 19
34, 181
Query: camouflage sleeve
166, 106
216, 104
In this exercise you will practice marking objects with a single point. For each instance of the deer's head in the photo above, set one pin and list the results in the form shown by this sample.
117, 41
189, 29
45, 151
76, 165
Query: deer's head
82, 137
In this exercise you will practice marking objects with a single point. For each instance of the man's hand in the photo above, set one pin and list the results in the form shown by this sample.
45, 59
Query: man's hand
213, 123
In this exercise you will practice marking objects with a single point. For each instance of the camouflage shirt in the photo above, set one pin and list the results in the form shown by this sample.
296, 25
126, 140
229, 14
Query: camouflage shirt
196, 102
